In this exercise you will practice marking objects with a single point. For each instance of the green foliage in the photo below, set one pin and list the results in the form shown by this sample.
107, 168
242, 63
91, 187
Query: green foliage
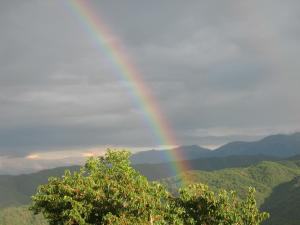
202, 206
109, 191
106, 191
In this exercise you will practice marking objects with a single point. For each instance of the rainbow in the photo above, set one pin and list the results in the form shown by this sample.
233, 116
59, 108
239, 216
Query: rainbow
109, 45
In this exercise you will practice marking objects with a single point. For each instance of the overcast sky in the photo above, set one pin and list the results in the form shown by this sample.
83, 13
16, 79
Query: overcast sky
220, 71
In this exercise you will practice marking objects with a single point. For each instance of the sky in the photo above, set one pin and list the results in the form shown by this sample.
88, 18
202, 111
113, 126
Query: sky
220, 71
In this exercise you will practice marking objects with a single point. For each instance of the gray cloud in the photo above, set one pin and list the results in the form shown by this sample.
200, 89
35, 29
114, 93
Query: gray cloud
219, 70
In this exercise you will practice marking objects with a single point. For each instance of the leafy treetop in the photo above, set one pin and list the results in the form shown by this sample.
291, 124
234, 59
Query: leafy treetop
107, 190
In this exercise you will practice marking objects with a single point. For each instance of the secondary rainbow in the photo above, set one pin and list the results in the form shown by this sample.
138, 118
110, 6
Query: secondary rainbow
109, 45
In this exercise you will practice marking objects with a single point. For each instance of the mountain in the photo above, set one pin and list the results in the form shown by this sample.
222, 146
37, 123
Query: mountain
161, 156
284, 204
163, 170
16, 189
275, 145
270, 178
277, 186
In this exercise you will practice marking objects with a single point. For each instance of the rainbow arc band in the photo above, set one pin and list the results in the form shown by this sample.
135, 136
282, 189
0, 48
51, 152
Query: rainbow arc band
110, 46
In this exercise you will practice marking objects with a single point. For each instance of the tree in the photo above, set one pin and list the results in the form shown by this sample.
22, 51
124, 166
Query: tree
107, 190
202, 206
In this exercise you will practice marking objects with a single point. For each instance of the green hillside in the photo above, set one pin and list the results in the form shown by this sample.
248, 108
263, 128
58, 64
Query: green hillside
275, 181
263, 176
164, 170
16, 190
284, 204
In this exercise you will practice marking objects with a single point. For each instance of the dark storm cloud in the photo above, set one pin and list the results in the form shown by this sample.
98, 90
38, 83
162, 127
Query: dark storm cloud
221, 70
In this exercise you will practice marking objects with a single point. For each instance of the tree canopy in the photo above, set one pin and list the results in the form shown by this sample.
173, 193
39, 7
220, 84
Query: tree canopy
107, 190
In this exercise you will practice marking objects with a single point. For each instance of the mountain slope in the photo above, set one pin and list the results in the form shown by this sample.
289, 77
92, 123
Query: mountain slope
284, 204
16, 190
264, 176
162, 156
163, 170
275, 145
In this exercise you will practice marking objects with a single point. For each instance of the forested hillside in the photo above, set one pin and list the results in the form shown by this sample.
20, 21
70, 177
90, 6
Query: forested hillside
276, 183
16, 190
264, 177
284, 204
164, 170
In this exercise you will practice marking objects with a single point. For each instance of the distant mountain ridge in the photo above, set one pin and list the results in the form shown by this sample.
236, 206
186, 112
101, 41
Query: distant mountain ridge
163, 170
162, 156
281, 145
